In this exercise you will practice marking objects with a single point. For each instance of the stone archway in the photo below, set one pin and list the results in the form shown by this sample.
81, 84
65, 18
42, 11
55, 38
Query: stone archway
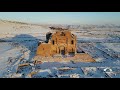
62, 50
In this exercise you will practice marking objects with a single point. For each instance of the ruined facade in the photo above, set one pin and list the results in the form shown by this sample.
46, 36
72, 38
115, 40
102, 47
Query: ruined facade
60, 42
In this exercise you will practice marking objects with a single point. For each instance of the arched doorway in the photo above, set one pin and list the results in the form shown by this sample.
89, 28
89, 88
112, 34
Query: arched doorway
62, 50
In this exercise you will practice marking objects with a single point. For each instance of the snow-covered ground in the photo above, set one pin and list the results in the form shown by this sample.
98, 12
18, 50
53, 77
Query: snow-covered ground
18, 44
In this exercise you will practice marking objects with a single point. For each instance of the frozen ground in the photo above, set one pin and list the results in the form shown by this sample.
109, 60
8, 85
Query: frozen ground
18, 44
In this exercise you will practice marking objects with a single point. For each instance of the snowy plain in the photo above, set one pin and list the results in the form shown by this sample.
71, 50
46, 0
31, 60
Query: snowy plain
18, 44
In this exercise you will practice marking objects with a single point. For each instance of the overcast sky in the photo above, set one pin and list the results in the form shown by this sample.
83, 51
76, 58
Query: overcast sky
64, 17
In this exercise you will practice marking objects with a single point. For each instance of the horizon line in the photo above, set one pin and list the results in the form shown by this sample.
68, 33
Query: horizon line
51, 23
